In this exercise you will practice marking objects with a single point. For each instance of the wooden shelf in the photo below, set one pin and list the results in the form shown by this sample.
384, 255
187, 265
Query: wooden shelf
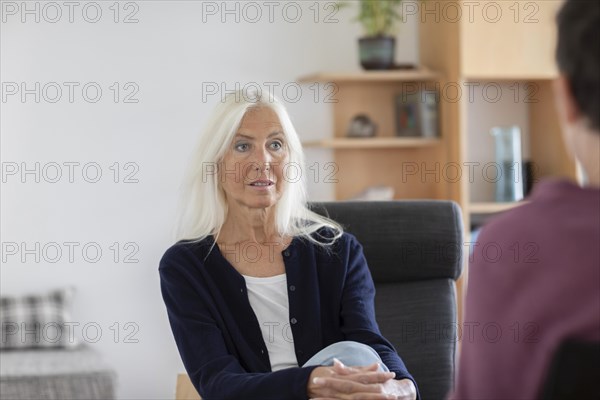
420, 74
490, 208
508, 78
372, 143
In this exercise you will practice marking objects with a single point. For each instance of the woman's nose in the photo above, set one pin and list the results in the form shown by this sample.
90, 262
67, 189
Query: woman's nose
263, 159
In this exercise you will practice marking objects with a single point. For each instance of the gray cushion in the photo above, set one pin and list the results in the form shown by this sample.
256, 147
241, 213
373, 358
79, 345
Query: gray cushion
37, 320
419, 319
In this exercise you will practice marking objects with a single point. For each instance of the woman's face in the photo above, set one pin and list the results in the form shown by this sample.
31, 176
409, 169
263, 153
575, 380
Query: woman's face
250, 172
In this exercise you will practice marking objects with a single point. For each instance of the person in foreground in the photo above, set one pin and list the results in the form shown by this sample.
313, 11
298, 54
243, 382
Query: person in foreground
267, 299
549, 292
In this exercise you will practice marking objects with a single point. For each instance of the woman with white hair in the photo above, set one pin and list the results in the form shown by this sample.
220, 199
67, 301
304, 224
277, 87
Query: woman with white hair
267, 299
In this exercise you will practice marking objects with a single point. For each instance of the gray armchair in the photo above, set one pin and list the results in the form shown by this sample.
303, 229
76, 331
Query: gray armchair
414, 251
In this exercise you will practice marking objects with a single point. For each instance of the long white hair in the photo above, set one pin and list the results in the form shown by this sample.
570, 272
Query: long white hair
203, 206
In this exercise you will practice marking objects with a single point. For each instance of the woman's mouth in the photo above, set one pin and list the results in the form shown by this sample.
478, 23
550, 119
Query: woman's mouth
262, 183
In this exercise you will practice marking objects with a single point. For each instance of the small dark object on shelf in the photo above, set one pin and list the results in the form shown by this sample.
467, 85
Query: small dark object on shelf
361, 126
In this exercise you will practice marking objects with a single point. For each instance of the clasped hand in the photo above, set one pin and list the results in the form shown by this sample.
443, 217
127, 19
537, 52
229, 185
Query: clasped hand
368, 383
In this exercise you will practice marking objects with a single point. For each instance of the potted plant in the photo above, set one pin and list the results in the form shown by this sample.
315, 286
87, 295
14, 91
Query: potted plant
377, 47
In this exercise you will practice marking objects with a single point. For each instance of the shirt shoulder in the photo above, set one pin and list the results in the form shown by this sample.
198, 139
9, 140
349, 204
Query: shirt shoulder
186, 251
555, 210
543, 244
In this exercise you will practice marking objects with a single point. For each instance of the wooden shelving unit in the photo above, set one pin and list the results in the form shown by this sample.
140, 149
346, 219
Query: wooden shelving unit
385, 159
505, 51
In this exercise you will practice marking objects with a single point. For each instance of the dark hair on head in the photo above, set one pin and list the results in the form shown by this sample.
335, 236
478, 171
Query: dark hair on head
578, 55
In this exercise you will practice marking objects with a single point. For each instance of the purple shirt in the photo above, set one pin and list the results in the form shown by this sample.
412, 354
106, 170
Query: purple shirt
534, 281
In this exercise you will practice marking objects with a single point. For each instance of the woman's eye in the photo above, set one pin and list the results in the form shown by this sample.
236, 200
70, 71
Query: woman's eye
276, 145
242, 146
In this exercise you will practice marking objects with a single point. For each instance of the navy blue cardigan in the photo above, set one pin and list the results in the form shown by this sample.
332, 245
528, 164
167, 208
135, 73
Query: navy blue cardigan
331, 298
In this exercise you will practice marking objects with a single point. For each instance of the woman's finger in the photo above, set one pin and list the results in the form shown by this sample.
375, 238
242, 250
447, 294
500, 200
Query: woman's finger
362, 396
342, 385
338, 365
342, 369
356, 396
366, 374
370, 377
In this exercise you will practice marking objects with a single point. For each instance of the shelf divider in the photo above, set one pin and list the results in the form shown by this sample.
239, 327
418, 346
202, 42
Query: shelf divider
491, 207
372, 143
419, 74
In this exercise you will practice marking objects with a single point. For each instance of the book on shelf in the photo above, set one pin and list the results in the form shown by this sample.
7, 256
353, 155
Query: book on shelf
417, 114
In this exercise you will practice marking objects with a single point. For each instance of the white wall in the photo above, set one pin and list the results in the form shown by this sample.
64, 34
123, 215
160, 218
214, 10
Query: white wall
168, 54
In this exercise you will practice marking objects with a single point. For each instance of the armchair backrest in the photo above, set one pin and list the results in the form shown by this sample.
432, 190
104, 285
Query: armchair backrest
574, 372
414, 253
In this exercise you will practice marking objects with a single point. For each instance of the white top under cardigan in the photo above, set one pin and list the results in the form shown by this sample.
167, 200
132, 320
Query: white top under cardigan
269, 300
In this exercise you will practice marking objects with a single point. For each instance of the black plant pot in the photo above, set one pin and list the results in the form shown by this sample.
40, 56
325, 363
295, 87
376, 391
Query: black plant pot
377, 52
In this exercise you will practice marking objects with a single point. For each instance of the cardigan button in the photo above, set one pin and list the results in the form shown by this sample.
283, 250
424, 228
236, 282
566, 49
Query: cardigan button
293, 320
292, 288
286, 253
262, 351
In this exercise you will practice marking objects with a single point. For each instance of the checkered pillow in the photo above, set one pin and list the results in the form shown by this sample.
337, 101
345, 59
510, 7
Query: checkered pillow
34, 321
